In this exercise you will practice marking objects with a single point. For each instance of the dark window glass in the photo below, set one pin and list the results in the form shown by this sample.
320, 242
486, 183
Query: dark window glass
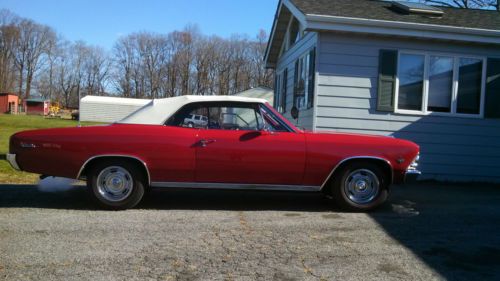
277, 90
190, 117
469, 86
440, 84
312, 72
411, 81
222, 116
284, 88
294, 32
234, 118
273, 122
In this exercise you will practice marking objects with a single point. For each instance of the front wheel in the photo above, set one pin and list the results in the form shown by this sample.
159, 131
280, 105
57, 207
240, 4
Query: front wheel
360, 186
116, 185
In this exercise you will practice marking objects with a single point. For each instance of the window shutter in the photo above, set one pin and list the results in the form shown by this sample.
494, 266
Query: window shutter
388, 62
492, 103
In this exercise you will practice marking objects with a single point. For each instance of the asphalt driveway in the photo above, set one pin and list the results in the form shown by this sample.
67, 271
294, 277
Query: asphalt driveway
426, 231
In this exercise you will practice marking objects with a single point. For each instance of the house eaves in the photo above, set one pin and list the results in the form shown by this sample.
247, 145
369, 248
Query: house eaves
380, 20
396, 28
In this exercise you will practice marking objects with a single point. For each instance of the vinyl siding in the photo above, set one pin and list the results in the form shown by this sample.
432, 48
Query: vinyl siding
452, 148
287, 60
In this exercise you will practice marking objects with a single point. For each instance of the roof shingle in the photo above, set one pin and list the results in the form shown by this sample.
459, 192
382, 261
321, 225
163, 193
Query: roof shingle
381, 10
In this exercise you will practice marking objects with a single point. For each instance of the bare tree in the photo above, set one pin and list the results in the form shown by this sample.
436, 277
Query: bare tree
467, 4
124, 63
96, 67
141, 65
9, 34
33, 42
65, 73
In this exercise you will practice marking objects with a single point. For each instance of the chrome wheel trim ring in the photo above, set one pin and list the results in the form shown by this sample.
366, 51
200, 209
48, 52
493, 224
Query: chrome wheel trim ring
114, 183
361, 186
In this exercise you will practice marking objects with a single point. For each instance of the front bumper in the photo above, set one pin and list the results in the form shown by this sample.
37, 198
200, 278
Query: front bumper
412, 175
11, 158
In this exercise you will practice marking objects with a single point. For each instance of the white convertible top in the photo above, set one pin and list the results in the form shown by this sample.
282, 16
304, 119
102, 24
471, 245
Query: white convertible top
158, 111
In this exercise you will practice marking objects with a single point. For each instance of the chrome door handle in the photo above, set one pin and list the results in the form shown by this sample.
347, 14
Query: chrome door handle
205, 142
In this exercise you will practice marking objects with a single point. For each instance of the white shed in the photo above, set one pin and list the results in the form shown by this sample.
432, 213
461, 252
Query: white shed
260, 92
108, 109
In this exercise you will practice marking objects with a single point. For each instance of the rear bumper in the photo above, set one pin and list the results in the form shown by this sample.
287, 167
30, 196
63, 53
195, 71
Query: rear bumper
412, 175
11, 158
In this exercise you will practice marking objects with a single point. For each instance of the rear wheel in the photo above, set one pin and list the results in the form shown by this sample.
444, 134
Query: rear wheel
360, 186
116, 185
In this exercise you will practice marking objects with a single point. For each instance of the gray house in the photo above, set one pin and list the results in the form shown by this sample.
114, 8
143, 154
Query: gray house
423, 73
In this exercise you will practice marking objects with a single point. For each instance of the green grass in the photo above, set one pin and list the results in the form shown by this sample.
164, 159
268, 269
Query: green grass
9, 125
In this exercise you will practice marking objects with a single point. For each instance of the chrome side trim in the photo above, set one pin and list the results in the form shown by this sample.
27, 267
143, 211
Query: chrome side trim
114, 155
352, 158
11, 158
238, 186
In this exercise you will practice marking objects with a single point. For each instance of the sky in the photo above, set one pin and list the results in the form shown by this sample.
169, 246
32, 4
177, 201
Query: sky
101, 22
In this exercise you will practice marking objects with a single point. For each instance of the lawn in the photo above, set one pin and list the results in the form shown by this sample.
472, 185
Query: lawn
10, 124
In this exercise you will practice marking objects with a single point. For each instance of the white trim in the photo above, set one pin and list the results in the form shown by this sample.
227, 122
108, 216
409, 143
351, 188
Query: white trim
306, 83
425, 88
360, 25
483, 88
424, 108
316, 83
296, 12
278, 89
454, 93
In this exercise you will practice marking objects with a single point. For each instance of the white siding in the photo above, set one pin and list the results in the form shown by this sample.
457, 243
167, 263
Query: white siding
288, 61
453, 148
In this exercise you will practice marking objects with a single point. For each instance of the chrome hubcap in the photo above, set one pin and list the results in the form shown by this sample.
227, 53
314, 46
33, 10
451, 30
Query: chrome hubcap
114, 183
361, 186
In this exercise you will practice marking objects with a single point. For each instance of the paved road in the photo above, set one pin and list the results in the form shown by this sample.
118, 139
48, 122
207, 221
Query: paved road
425, 232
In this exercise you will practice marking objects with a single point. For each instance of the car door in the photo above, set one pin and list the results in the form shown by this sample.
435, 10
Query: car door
235, 148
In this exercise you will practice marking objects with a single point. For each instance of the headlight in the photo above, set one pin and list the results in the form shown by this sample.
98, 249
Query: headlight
414, 164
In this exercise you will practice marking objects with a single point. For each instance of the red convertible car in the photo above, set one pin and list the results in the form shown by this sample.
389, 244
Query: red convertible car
238, 143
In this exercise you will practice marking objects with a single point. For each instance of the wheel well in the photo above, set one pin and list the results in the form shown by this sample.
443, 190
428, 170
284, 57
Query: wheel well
384, 164
94, 160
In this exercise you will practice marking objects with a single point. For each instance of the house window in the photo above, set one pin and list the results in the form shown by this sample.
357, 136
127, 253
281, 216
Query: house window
436, 83
281, 91
304, 80
440, 84
411, 82
470, 84
277, 91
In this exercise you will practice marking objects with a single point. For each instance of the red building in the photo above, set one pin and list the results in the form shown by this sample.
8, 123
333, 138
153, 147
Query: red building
9, 103
36, 106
